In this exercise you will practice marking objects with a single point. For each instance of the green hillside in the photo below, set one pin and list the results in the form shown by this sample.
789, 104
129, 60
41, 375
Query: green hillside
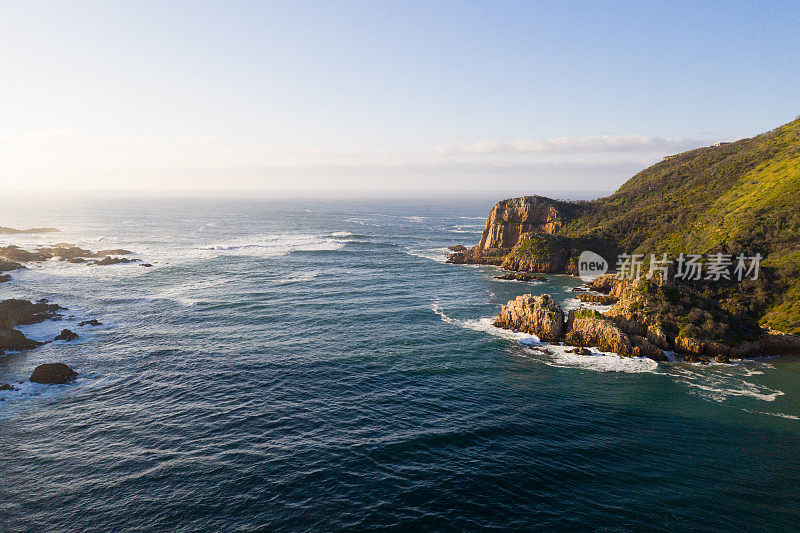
738, 197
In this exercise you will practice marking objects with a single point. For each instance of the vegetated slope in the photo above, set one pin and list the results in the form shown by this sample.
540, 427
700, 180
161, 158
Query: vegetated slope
739, 197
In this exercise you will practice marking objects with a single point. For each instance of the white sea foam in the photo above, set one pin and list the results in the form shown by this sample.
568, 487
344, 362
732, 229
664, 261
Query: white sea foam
466, 228
27, 389
527, 283
300, 277
485, 325
187, 294
719, 382
780, 415
554, 355
600, 361
571, 304
434, 254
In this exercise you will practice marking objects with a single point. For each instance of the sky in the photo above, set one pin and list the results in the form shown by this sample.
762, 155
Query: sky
551, 95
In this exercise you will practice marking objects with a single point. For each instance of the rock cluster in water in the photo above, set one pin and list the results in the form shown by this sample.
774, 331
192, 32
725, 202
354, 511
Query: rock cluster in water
537, 315
624, 330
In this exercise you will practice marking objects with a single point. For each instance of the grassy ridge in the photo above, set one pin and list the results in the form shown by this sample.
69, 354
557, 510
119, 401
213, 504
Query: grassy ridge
739, 197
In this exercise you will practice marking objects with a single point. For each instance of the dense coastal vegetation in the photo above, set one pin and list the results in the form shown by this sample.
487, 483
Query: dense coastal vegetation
731, 198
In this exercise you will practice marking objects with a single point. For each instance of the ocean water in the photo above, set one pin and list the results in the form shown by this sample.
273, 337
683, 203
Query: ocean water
315, 365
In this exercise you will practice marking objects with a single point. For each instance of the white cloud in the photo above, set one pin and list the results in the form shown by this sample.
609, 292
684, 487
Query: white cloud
566, 145
64, 158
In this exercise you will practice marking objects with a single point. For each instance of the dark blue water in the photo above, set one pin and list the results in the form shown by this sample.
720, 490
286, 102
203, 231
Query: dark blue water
312, 365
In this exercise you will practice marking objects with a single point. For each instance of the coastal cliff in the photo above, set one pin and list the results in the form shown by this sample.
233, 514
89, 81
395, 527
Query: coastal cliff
512, 218
733, 198
639, 325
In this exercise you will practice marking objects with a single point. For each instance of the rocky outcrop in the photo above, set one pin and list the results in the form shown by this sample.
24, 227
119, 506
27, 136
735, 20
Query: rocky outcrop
643, 347
540, 316
474, 256
92, 322
53, 374
7, 266
520, 235
541, 253
509, 219
19, 313
66, 335
604, 284
12, 340
15, 312
589, 328
600, 299
4, 278
519, 276
115, 251
64, 252
108, 260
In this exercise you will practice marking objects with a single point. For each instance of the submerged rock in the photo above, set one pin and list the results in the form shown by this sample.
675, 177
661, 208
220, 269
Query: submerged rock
92, 322
66, 335
540, 316
13, 340
7, 266
108, 260
580, 350
6, 386
53, 374
4, 278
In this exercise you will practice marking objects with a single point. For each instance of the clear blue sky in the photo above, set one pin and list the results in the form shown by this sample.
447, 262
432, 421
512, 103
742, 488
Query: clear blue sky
379, 94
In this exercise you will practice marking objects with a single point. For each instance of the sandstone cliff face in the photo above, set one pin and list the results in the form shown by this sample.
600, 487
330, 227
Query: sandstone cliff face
539, 252
509, 219
593, 329
540, 316
520, 235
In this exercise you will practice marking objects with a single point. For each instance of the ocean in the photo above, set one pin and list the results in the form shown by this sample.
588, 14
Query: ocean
307, 364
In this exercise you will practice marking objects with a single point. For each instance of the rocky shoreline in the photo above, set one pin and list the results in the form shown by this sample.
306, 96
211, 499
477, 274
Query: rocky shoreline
625, 331
742, 299
19, 312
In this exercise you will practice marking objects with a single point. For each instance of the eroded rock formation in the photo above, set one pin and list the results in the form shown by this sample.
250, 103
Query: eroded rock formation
540, 316
509, 219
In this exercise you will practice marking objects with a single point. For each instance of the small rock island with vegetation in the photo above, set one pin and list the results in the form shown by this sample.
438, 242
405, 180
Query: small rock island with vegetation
733, 198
